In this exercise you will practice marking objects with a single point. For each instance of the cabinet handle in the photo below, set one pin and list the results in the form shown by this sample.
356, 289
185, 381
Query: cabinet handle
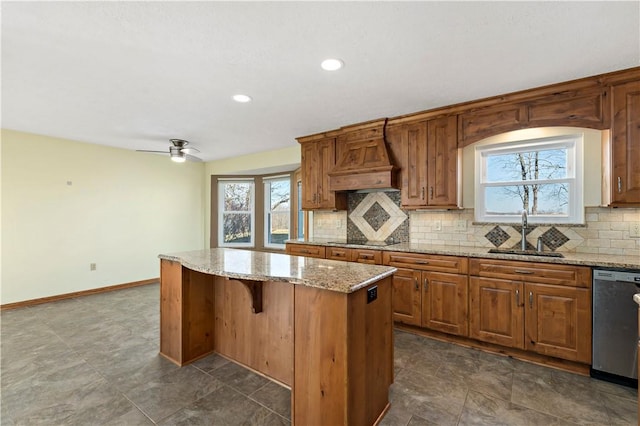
426, 284
366, 256
523, 271
517, 297
315, 195
305, 251
619, 184
415, 280
422, 193
431, 192
531, 299
422, 262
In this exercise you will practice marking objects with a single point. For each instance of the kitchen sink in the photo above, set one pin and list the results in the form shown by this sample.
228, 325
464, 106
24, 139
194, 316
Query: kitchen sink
526, 252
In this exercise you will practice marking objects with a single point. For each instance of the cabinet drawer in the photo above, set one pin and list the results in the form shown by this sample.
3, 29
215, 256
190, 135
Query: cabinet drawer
426, 262
373, 257
306, 250
338, 253
545, 273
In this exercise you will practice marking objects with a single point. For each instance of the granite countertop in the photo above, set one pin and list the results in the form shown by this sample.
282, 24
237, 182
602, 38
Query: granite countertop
584, 259
333, 275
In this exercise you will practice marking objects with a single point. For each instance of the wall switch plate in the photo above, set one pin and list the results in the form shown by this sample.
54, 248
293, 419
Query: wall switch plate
437, 225
92, 266
634, 230
461, 225
372, 294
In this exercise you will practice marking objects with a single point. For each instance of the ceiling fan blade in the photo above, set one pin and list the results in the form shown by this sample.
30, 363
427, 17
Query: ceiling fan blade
190, 150
192, 158
156, 152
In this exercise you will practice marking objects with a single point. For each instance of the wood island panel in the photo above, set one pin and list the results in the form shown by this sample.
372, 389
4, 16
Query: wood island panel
264, 341
343, 356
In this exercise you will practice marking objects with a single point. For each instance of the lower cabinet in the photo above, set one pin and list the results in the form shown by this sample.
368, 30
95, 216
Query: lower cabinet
550, 319
444, 303
407, 296
425, 296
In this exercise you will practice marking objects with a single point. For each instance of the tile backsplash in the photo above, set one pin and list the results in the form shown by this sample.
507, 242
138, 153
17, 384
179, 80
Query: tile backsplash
606, 231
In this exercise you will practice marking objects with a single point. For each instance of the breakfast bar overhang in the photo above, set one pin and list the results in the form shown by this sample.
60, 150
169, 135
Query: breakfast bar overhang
320, 327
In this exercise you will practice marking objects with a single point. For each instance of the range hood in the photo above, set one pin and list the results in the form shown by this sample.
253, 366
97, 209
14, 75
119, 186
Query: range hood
362, 159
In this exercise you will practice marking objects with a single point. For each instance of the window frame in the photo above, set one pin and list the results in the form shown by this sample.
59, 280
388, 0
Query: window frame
221, 212
267, 209
574, 178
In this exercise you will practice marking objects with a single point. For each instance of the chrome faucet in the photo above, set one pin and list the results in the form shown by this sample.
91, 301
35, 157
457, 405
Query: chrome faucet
523, 243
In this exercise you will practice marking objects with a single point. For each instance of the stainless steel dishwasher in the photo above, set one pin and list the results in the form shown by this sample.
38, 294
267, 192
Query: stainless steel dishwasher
615, 326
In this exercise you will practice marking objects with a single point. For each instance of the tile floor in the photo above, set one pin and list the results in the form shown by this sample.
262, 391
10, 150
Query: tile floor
94, 360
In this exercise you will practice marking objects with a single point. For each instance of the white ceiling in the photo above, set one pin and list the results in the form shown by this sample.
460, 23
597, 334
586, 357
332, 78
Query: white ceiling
135, 74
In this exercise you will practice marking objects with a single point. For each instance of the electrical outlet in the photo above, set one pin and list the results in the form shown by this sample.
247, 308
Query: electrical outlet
437, 225
372, 294
92, 266
634, 230
461, 225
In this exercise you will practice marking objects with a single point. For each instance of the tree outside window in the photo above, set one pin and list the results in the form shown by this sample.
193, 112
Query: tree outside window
537, 176
277, 211
236, 213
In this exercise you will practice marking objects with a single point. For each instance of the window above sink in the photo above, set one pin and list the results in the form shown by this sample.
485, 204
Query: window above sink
542, 176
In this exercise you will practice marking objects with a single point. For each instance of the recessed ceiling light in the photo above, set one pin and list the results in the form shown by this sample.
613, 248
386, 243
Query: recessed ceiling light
332, 64
242, 98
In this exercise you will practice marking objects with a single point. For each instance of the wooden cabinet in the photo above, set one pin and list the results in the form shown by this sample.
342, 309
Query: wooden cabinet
305, 250
372, 257
407, 296
427, 155
625, 131
433, 293
545, 308
584, 107
338, 253
317, 159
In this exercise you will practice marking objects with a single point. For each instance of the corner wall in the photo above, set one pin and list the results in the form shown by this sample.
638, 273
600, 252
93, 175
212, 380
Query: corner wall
121, 209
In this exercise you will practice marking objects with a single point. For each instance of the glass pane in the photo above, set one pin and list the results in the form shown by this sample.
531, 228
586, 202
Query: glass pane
237, 196
237, 227
278, 193
548, 199
534, 165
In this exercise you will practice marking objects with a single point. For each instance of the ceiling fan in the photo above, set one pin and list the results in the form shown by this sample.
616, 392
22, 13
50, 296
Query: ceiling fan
179, 151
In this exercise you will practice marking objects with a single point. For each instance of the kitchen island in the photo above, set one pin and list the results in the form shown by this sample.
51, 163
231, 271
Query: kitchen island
320, 327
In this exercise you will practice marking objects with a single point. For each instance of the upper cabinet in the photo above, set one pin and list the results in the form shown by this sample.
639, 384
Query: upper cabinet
625, 155
575, 108
427, 154
420, 152
318, 157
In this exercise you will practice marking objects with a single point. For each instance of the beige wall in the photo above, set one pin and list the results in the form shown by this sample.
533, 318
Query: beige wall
286, 159
121, 210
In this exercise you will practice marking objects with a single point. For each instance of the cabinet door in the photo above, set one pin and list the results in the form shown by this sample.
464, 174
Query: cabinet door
310, 173
407, 297
442, 164
626, 144
414, 174
326, 161
444, 303
558, 321
495, 308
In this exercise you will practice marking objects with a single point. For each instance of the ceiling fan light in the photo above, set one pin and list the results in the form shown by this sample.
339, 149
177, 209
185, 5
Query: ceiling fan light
178, 157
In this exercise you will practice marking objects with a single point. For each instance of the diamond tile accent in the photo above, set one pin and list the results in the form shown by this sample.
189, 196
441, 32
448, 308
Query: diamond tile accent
497, 236
376, 216
553, 238
396, 216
